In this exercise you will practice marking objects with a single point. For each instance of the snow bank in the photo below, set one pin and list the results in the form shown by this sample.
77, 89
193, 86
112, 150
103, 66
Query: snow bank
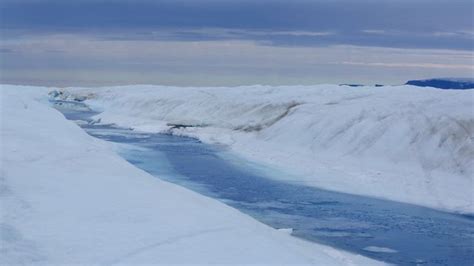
402, 143
67, 198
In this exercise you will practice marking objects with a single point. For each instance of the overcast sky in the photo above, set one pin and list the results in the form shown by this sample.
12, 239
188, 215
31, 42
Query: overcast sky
203, 42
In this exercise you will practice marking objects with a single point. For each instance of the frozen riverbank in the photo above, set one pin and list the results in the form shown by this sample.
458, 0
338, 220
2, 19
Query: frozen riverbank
357, 224
403, 143
68, 198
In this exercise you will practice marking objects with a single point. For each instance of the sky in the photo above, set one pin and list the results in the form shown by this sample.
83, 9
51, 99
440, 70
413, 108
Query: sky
232, 42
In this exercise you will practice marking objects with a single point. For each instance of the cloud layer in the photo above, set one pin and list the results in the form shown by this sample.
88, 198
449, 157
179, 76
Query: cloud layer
234, 42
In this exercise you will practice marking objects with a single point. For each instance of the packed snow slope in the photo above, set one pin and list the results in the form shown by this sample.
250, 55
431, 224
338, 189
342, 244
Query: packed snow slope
68, 198
403, 143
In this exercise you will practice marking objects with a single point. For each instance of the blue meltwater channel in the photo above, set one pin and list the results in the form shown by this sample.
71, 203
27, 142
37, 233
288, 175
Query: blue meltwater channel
393, 232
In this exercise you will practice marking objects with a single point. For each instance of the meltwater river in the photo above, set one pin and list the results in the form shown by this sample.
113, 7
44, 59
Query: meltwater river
393, 232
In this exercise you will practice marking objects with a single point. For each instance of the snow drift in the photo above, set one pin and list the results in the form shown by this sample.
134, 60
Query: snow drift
67, 198
403, 143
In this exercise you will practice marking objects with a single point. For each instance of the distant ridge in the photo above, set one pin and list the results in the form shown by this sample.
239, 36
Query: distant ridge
445, 83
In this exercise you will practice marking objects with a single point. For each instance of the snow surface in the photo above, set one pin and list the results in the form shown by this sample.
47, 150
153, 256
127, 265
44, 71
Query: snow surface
68, 198
402, 143
380, 249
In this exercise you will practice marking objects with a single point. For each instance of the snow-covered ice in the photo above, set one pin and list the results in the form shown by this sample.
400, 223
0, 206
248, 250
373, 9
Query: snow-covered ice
68, 198
402, 143
380, 249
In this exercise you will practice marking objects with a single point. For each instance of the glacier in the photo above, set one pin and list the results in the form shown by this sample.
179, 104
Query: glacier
402, 143
69, 198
